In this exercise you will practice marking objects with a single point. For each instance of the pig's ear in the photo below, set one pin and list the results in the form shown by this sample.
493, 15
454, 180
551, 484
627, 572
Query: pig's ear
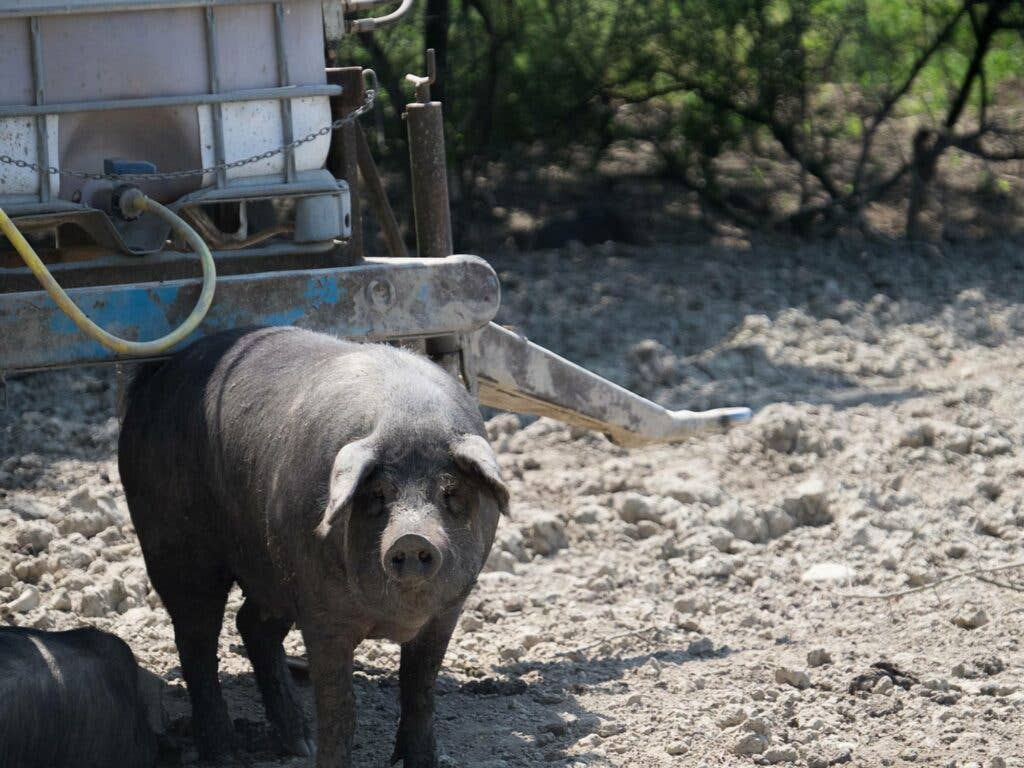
473, 454
352, 464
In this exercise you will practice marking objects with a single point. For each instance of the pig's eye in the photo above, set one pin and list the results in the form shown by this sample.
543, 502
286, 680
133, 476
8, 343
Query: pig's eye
453, 503
377, 502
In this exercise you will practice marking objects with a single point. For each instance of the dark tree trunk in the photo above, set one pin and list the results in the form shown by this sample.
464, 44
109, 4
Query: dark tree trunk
927, 149
435, 35
928, 144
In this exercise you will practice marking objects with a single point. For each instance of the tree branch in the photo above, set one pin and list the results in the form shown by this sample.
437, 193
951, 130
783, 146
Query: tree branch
939, 582
890, 101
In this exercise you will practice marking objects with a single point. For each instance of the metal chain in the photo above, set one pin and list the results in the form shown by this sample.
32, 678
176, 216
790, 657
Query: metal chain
362, 109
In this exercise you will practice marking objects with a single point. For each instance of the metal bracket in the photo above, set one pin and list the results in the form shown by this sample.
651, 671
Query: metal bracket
422, 84
518, 375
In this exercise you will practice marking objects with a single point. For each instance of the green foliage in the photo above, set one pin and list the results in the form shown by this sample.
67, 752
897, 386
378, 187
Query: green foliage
701, 78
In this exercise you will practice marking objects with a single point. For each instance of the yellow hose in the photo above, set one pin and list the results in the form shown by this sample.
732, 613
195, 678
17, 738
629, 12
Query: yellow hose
123, 346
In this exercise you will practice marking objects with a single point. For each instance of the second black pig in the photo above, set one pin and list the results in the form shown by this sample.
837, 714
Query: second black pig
75, 699
347, 488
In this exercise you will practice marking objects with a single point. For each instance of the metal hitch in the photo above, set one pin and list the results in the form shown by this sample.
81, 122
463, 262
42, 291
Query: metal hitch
515, 374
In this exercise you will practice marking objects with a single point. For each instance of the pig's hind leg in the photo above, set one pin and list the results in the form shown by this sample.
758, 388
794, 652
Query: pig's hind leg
263, 637
197, 615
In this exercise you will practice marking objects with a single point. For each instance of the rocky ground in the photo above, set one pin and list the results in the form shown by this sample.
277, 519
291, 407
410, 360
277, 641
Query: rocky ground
778, 595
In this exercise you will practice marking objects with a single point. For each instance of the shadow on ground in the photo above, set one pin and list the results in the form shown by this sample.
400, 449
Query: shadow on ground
521, 714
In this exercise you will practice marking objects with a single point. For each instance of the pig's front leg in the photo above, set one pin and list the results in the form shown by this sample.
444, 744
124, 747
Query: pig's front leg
421, 660
330, 671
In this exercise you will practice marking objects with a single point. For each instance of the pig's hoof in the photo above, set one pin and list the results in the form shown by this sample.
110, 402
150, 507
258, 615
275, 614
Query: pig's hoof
415, 755
219, 754
301, 746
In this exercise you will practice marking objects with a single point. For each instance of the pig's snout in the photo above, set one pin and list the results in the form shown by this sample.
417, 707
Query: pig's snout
412, 559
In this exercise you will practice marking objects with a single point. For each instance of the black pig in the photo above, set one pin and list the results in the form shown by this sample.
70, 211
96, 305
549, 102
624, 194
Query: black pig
347, 488
75, 699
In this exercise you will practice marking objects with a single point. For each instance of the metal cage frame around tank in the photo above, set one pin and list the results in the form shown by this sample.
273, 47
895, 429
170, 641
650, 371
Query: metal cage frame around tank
47, 210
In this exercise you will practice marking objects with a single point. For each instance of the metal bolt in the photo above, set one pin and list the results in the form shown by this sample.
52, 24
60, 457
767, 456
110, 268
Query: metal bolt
380, 293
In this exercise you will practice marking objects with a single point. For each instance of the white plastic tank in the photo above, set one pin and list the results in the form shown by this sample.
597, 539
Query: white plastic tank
95, 53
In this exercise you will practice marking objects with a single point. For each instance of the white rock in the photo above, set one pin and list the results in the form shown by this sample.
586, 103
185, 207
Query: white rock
731, 716
808, 503
777, 755
827, 572
685, 490
883, 686
92, 604
33, 569
35, 536
503, 424
510, 539
60, 601
28, 508
511, 652
818, 657
531, 636
26, 601
69, 556
971, 617
779, 522
610, 728
87, 499
500, 560
918, 435
749, 744
702, 646
795, 677
713, 566
690, 604
744, 523
86, 523
633, 507
588, 514
546, 535
589, 741
496, 578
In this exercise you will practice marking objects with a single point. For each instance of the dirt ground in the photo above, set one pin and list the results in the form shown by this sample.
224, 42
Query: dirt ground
715, 603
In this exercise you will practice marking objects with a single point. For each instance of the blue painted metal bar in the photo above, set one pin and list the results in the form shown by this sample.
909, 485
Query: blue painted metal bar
381, 299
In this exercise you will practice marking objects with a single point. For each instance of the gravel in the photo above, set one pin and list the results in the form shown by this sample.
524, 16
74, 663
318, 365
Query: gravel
654, 607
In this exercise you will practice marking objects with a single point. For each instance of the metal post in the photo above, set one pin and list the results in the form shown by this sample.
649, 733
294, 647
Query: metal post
425, 124
215, 109
342, 158
287, 126
42, 138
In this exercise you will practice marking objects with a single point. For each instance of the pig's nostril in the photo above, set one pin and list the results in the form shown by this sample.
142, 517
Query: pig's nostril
412, 558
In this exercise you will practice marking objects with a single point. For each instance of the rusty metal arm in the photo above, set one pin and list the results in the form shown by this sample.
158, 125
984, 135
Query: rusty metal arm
515, 374
378, 197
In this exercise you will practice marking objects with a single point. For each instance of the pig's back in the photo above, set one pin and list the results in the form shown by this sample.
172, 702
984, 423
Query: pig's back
248, 423
70, 700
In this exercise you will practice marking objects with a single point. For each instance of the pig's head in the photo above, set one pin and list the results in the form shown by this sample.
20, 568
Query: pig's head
414, 520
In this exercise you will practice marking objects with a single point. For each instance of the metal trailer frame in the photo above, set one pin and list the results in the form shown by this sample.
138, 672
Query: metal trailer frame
443, 303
